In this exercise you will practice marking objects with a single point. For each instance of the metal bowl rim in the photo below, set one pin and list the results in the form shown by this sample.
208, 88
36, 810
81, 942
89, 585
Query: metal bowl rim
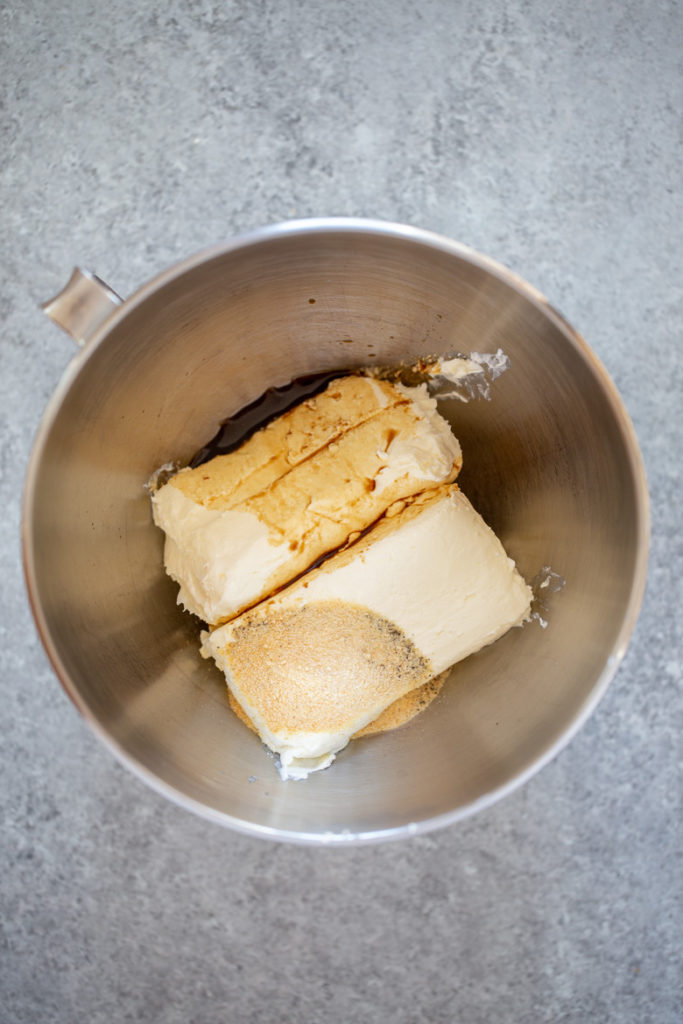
429, 239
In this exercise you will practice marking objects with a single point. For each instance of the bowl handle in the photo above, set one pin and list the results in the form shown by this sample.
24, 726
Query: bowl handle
82, 306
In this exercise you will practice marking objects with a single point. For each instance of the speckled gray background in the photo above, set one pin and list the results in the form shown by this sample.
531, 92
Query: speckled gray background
545, 134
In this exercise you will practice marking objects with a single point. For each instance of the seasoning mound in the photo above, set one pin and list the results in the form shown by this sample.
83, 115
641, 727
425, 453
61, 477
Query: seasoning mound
310, 675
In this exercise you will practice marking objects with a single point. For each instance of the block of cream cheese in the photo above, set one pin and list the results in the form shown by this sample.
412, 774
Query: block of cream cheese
246, 523
428, 585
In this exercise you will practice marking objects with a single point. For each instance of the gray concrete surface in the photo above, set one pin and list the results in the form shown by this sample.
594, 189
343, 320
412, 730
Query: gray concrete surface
545, 134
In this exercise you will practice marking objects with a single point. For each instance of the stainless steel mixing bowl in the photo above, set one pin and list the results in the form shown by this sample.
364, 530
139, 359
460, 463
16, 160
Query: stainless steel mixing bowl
551, 462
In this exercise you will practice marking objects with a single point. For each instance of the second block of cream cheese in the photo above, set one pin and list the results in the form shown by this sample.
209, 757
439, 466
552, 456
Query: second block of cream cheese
429, 585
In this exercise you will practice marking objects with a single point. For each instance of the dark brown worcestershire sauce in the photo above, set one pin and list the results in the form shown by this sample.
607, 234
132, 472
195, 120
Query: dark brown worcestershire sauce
236, 429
